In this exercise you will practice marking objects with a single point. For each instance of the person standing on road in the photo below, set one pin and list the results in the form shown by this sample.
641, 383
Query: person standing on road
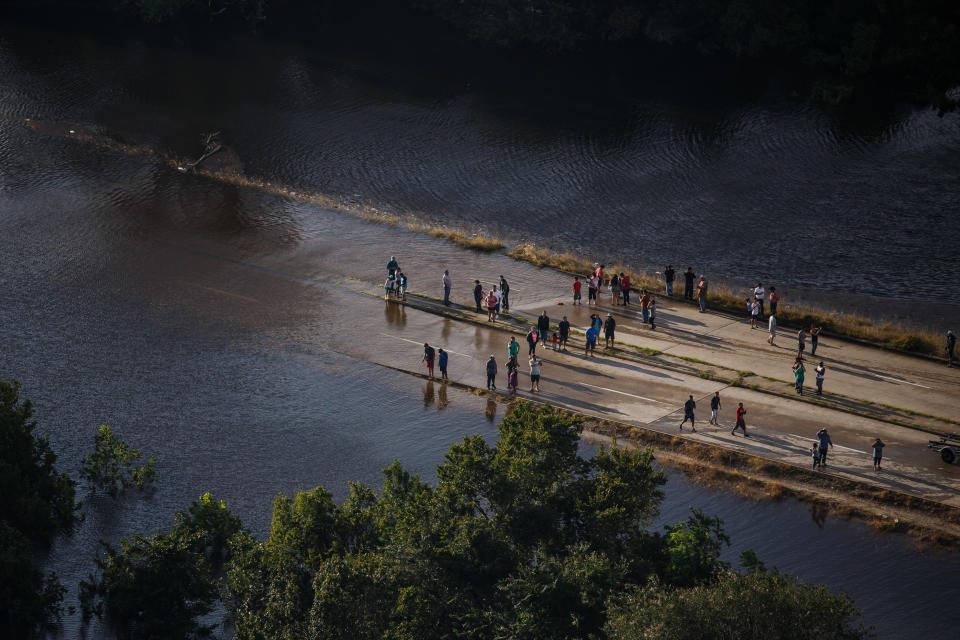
577, 286
741, 421
543, 325
814, 339
513, 347
798, 373
592, 287
535, 364
591, 342
772, 324
820, 370
504, 293
754, 313
447, 284
951, 343
688, 277
758, 293
564, 329
645, 299
702, 294
499, 295
609, 328
815, 452
653, 313
598, 275
477, 294
668, 275
824, 441
491, 372
625, 288
774, 300
442, 359
801, 341
492, 302
428, 355
615, 290
688, 408
877, 453
715, 409
532, 339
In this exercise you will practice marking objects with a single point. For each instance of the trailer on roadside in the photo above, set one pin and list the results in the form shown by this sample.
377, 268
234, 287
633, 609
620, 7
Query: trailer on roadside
948, 446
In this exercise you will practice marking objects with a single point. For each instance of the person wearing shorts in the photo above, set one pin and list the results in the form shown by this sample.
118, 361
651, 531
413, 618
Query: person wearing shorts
591, 290
577, 286
591, 342
535, 364
741, 421
428, 355
715, 409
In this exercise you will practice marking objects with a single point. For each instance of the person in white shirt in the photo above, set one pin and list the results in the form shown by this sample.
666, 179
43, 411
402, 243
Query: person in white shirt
758, 294
754, 313
447, 283
773, 328
499, 296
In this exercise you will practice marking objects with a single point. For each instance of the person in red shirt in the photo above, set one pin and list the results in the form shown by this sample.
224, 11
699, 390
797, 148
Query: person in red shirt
577, 285
741, 423
599, 274
625, 288
774, 300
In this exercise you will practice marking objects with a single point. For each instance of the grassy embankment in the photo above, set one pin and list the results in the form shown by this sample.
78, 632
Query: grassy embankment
721, 297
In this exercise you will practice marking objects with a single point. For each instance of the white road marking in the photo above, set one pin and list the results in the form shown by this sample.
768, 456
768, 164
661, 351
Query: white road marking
899, 380
420, 343
623, 393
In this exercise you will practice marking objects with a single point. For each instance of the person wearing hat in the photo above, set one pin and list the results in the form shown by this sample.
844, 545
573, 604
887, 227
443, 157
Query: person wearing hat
491, 372
609, 328
824, 441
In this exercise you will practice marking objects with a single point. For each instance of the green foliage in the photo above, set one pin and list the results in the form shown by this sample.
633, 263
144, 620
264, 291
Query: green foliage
37, 500
692, 549
35, 503
757, 605
212, 522
152, 587
112, 465
31, 601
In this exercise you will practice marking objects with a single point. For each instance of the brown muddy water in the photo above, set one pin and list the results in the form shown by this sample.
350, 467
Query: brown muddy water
132, 296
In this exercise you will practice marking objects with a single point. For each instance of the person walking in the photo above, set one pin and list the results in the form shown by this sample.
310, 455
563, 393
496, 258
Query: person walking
814, 339
653, 313
715, 409
820, 370
798, 373
815, 452
754, 313
491, 372
688, 277
772, 325
477, 294
428, 356
577, 285
591, 343
513, 347
504, 293
492, 302
543, 325
668, 275
609, 328
951, 343
877, 453
447, 284
741, 421
442, 359
688, 408
532, 339
758, 293
564, 330
824, 441
801, 341
625, 288
535, 364
774, 300
702, 294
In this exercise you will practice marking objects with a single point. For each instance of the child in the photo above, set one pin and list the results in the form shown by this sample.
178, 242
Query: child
402, 286
388, 288
877, 453
556, 341
815, 452
653, 313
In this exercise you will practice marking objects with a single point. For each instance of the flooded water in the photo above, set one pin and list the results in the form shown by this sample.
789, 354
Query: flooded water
150, 300
737, 183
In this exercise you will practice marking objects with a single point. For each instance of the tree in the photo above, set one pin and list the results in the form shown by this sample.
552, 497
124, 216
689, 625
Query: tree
31, 600
112, 465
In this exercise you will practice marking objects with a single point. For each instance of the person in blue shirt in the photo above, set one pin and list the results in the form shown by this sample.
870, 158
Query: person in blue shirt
392, 267
442, 361
591, 341
824, 438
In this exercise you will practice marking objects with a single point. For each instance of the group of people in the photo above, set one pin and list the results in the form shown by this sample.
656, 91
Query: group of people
396, 284
494, 300
690, 406
513, 368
